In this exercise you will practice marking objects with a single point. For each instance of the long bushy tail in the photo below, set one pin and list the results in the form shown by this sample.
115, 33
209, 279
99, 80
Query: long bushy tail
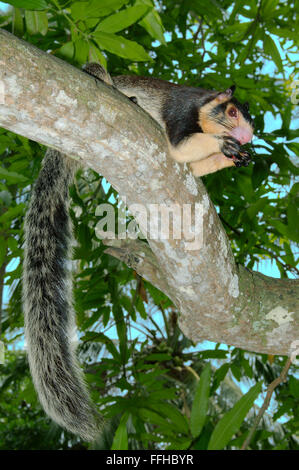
49, 315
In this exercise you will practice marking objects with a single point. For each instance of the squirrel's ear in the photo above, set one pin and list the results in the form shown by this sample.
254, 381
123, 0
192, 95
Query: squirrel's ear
227, 94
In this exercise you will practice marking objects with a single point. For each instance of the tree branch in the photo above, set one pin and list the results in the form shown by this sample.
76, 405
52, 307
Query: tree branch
270, 390
138, 256
49, 101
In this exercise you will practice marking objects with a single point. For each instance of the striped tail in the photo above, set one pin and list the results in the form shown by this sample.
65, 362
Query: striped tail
47, 294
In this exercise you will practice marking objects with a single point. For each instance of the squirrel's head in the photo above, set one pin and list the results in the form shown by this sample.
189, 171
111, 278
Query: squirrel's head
224, 114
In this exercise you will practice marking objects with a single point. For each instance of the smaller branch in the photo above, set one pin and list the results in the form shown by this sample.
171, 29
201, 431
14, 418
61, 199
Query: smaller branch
138, 256
60, 10
282, 378
199, 30
192, 372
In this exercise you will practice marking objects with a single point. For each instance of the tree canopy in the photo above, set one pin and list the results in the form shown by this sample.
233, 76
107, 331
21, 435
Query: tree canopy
157, 388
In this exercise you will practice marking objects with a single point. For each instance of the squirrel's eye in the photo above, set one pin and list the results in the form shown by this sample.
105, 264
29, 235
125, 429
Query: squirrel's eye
233, 112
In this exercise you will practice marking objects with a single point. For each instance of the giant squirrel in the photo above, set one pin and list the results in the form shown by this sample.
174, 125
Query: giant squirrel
203, 128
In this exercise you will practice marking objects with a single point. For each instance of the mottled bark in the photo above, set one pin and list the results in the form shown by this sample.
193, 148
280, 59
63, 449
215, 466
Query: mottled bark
48, 101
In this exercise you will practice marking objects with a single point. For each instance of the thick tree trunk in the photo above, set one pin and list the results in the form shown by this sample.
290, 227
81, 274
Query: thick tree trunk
51, 102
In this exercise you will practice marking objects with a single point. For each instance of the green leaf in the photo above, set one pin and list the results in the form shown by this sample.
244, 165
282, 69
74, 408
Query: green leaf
287, 116
12, 213
294, 147
120, 441
232, 420
153, 417
81, 51
268, 8
28, 4
100, 337
257, 207
211, 9
247, 50
3, 248
179, 445
95, 9
294, 386
140, 308
18, 24
293, 220
200, 402
271, 49
285, 33
95, 55
36, 22
237, 30
235, 369
67, 50
121, 327
78, 10
179, 421
157, 419
6, 197
164, 394
91, 320
12, 244
29, 394
280, 227
294, 190
84, 236
260, 172
152, 22
213, 354
244, 184
120, 46
123, 19
219, 376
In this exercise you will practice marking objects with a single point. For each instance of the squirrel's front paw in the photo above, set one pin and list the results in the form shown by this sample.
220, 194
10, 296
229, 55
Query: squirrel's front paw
242, 158
230, 146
